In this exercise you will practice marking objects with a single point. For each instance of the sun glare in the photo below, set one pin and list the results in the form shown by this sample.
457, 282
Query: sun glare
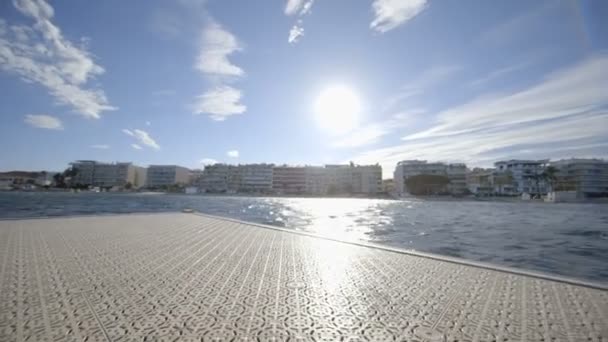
337, 109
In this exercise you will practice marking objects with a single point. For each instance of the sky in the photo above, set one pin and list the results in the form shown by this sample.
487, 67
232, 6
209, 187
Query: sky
192, 82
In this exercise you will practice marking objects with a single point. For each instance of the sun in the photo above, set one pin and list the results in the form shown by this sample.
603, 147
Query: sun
337, 109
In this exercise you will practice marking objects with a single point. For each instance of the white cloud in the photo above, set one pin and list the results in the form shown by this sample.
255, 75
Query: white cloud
136, 147
148, 123
233, 154
568, 110
40, 54
570, 91
208, 161
295, 33
299, 8
217, 44
293, 6
100, 146
44, 121
142, 137
220, 103
390, 14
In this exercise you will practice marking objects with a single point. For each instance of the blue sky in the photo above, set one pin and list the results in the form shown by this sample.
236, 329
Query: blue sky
189, 82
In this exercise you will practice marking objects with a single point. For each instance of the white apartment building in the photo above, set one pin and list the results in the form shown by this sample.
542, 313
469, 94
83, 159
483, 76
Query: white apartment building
107, 175
339, 179
588, 177
216, 178
255, 178
165, 175
409, 168
316, 180
457, 174
366, 179
289, 179
525, 176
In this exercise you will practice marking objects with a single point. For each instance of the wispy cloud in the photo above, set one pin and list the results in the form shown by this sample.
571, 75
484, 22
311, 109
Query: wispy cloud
389, 14
427, 79
573, 90
142, 137
498, 73
298, 8
569, 108
39, 53
100, 146
44, 121
372, 132
136, 147
217, 44
220, 103
233, 154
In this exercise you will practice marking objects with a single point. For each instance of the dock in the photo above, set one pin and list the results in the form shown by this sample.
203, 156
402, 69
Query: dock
194, 277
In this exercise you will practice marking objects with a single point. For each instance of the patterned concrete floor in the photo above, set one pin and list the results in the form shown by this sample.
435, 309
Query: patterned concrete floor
185, 277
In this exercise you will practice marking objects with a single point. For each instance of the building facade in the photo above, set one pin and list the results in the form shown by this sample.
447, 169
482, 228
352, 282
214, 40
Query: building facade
480, 181
366, 179
454, 173
588, 177
214, 178
289, 179
316, 180
255, 178
457, 176
108, 175
515, 177
166, 175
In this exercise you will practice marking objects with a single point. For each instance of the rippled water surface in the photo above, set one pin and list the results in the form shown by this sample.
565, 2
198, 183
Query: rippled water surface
567, 239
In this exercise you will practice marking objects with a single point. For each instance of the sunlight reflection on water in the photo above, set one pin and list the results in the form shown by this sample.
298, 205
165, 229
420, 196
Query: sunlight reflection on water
568, 239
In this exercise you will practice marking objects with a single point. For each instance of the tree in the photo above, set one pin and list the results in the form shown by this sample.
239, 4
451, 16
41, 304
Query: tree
427, 184
503, 179
128, 186
550, 176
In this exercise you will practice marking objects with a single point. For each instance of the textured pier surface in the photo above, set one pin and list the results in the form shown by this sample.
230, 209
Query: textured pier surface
185, 277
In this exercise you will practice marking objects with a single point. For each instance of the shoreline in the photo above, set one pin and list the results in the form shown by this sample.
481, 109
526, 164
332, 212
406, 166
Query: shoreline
438, 198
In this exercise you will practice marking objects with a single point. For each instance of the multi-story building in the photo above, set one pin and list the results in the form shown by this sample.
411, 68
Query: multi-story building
289, 179
455, 173
214, 178
85, 172
457, 176
339, 179
588, 177
165, 175
194, 176
255, 178
316, 180
107, 175
480, 181
366, 179
514, 177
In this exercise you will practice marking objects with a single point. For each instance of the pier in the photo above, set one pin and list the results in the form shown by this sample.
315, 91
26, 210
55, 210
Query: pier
194, 277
